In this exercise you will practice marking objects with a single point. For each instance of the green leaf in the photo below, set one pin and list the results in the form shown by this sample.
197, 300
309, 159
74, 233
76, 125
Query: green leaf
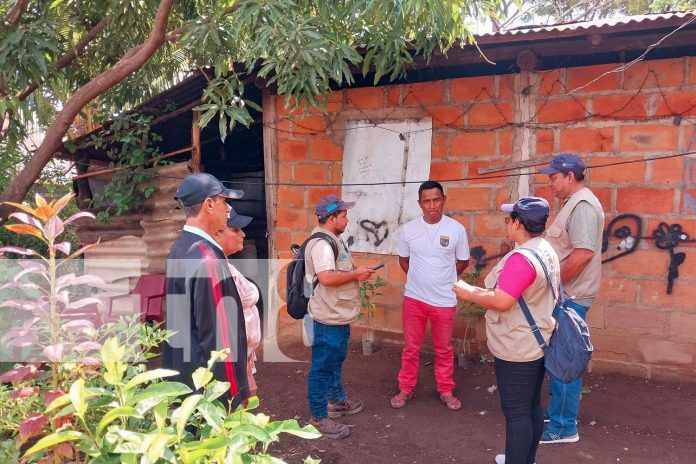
216, 389
201, 377
185, 411
251, 430
77, 397
121, 411
148, 376
54, 439
213, 415
162, 390
159, 443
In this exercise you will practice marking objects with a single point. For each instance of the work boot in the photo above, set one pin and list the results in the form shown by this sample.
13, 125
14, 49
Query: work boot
330, 428
345, 408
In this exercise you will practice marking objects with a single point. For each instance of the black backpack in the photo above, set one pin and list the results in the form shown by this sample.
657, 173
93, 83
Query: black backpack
298, 289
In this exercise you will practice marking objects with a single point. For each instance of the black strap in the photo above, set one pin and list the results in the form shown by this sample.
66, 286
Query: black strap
332, 243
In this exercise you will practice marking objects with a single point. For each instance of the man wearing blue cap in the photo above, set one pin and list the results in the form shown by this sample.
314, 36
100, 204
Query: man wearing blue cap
576, 235
333, 306
203, 305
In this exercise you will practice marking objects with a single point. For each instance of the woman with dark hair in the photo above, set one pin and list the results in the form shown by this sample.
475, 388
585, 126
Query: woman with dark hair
519, 361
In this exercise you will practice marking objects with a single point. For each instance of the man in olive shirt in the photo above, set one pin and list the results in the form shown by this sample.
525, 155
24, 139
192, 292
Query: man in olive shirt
576, 235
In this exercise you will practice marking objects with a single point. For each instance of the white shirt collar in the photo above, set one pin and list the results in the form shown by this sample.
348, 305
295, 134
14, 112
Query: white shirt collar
202, 233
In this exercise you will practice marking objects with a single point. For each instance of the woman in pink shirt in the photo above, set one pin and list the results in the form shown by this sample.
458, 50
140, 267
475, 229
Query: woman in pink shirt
519, 361
232, 241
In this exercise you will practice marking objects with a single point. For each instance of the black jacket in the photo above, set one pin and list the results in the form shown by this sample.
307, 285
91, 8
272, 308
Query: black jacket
204, 308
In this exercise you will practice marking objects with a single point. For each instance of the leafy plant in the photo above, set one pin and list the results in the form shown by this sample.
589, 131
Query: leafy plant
144, 419
130, 146
471, 311
368, 291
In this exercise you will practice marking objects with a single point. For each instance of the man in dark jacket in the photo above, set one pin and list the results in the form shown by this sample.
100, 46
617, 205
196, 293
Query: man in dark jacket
203, 304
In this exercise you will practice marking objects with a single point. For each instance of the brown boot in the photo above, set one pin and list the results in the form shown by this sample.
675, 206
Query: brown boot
345, 408
330, 428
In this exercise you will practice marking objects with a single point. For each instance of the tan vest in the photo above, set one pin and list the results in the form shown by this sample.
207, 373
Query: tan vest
333, 305
586, 284
509, 336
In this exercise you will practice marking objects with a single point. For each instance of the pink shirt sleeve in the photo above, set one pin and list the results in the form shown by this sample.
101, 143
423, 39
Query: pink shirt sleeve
516, 276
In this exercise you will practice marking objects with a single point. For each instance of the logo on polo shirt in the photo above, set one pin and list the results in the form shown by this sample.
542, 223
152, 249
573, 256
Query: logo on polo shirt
444, 240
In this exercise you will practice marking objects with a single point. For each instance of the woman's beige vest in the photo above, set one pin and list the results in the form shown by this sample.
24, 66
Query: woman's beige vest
586, 284
509, 336
333, 305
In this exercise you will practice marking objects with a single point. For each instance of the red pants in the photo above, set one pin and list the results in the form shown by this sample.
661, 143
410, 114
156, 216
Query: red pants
416, 316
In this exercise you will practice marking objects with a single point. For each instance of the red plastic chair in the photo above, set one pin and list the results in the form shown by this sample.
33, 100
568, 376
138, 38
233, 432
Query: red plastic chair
147, 296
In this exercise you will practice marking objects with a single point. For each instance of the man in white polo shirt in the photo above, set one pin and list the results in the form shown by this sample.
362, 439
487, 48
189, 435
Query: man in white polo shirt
433, 250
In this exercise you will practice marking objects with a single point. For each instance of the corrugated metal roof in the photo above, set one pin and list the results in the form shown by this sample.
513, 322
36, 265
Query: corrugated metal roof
617, 24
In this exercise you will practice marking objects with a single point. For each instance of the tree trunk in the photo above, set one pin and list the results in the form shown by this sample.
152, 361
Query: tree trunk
53, 139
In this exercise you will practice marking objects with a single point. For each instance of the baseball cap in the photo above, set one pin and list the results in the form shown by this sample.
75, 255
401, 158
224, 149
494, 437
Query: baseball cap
238, 221
330, 204
197, 187
530, 209
565, 162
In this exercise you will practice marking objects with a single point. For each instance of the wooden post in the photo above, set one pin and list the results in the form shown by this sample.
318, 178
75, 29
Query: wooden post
195, 164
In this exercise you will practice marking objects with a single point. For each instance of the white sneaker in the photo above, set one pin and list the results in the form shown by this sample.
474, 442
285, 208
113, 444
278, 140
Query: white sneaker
500, 459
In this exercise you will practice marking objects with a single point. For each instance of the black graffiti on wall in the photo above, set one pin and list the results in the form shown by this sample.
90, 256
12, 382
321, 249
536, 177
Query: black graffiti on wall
626, 228
620, 238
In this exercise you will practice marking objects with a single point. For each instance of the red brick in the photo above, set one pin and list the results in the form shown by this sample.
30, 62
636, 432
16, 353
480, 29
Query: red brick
622, 173
688, 227
292, 151
323, 149
393, 96
683, 103
283, 106
490, 225
282, 126
491, 114
290, 196
667, 171
668, 73
309, 125
285, 172
466, 89
545, 193
613, 346
439, 146
473, 143
307, 173
502, 195
632, 320
425, 94
506, 87
620, 107
447, 116
505, 141
366, 97
650, 262
291, 218
618, 290
654, 294
551, 83
334, 101
603, 194
648, 137
692, 71
468, 199
395, 274
565, 110
644, 200
336, 173
596, 318
390, 294
474, 166
682, 326
665, 352
544, 141
442, 170
282, 239
317, 193
579, 77
586, 140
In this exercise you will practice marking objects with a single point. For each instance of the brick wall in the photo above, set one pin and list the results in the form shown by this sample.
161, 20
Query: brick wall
637, 326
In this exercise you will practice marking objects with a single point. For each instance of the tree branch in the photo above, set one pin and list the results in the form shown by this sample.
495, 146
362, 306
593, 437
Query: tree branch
78, 50
174, 35
129, 63
16, 12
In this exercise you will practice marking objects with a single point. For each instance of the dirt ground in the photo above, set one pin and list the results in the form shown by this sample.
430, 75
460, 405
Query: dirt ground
622, 419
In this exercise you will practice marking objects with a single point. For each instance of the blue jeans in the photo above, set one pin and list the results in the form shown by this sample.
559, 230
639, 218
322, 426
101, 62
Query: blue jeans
519, 384
565, 397
329, 350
